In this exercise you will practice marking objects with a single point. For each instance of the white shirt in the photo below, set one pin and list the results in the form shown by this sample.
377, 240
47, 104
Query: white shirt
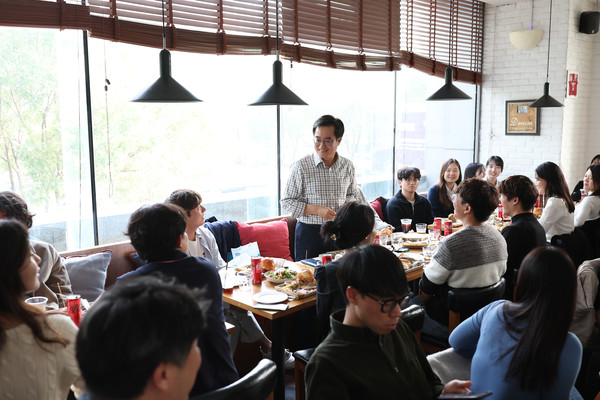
587, 210
205, 246
556, 218
30, 370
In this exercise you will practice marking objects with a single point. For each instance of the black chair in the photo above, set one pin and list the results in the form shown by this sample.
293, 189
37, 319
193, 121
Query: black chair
462, 303
413, 316
591, 229
575, 244
255, 385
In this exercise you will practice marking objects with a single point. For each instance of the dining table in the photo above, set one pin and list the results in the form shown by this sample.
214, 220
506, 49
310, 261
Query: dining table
244, 299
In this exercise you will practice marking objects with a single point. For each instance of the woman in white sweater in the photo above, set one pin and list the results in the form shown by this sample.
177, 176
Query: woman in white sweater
557, 218
589, 208
37, 350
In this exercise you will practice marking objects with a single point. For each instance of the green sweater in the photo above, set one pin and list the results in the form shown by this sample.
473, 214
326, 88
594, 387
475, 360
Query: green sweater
356, 363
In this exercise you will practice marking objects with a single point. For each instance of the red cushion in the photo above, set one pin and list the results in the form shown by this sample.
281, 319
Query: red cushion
376, 204
273, 237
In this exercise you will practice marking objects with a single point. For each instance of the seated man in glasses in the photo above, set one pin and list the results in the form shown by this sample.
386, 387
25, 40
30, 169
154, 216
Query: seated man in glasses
319, 184
473, 257
371, 353
407, 203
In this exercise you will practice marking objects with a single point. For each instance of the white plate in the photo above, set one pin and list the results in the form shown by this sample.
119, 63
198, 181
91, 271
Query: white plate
270, 297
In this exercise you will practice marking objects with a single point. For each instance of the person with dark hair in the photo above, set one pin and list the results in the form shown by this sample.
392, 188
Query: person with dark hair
371, 353
353, 226
524, 350
202, 243
474, 170
493, 168
319, 184
474, 257
518, 195
576, 194
440, 194
589, 208
557, 217
407, 203
157, 232
52, 268
158, 354
37, 348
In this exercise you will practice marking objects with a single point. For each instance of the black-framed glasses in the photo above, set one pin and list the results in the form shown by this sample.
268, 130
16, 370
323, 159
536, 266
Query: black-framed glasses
327, 142
388, 305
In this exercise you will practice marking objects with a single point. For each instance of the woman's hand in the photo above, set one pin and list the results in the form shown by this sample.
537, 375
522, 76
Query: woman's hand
456, 386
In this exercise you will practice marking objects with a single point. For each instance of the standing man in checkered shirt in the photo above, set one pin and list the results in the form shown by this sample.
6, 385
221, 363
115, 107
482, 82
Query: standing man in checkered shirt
319, 184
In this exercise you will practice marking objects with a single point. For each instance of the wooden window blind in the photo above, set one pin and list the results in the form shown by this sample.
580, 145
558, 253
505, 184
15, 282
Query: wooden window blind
366, 35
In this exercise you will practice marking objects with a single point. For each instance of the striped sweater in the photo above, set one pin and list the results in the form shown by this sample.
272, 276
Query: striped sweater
473, 257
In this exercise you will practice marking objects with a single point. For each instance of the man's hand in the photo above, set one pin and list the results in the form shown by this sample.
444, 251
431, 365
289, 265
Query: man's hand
456, 386
321, 211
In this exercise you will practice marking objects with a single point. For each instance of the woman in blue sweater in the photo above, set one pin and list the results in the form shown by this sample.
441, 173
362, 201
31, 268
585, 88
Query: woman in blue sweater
440, 194
523, 350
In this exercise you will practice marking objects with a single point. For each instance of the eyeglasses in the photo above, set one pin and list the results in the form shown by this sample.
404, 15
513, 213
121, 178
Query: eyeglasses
388, 305
411, 180
327, 142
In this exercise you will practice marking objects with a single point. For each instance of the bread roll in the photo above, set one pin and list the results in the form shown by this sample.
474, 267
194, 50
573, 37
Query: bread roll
268, 264
305, 278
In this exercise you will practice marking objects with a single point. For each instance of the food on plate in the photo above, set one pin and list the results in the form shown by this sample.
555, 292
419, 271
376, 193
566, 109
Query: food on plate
281, 274
407, 264
305, 278
243, 268
293, 289
268, 264
386, 231
452, 218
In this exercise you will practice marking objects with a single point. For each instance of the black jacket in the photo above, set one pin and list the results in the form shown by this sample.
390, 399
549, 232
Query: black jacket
398, 207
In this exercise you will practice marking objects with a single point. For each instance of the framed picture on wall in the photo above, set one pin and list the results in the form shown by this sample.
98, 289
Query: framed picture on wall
522, 119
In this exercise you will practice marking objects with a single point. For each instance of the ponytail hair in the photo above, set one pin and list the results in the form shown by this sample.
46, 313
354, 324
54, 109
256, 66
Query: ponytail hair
352, 224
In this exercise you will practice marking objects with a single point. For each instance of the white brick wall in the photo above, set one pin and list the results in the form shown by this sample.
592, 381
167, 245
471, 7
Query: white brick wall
568, 136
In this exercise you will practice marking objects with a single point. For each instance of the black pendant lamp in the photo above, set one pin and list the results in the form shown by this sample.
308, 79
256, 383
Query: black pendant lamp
449, 91
546, 100
278, 93
165, 89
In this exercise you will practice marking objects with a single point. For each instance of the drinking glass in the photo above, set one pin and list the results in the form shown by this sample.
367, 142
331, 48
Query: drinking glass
406, 223
421, 228
38, 301
245, 281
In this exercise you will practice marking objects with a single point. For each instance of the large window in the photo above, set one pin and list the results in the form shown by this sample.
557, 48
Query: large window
221, 147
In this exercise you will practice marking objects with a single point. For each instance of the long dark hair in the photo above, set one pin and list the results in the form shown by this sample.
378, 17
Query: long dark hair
595, 170
540, 318
352, 224
14, 248
443, 196
557, 185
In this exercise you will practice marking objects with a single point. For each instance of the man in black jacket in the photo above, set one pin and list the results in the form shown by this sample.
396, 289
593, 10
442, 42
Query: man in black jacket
407, 203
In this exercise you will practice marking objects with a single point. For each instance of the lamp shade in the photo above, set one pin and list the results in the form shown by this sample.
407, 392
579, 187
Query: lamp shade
448, 91
526, 39
278, 93
546, 100
165, 89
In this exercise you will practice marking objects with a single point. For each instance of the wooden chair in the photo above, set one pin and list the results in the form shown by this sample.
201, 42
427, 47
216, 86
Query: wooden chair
255, 385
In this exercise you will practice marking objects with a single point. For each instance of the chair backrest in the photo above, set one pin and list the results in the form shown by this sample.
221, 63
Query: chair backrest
462, 303
575, 244
591, 229
255, 385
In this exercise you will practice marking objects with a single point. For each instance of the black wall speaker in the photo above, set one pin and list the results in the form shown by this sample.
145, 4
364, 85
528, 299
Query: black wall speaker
589, 21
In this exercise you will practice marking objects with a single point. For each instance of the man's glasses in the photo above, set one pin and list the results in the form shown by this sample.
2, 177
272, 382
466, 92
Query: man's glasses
411, 180
388, 305
327, 142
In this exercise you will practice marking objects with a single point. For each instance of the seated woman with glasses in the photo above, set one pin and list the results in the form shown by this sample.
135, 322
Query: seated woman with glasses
440, 194
524, 350
407, 203
353, 226
37, 349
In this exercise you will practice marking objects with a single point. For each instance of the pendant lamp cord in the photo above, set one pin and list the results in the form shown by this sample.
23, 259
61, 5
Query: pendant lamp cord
531, 18
277, 28
164, 33
549, 32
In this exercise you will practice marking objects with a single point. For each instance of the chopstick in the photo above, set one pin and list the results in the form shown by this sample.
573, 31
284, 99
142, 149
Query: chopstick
61, 295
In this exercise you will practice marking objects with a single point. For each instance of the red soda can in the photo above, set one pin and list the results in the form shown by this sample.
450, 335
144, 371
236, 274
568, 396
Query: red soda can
437, 227
256, 270
376, 240
74, 308
326, 258
500, 211
447, 227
